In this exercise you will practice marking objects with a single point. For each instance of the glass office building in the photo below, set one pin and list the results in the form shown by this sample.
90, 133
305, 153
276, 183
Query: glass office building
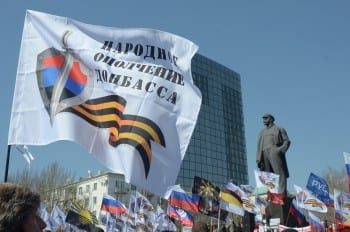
217, 150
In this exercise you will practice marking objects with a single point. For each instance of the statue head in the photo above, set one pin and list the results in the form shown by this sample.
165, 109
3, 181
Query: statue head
267, 115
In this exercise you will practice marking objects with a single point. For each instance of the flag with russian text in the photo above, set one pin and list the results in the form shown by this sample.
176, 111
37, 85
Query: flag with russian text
112, 205
347, 166
319, 186
306, 200
315, 223
120, 93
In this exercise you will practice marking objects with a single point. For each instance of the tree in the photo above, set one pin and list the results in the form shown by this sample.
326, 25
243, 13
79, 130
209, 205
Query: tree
45, 181
336, 179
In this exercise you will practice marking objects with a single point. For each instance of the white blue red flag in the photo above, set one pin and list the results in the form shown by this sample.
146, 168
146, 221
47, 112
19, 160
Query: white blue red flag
171, 211
184, 201
112, 205
296, 213
181, 215
315, 223
121, 93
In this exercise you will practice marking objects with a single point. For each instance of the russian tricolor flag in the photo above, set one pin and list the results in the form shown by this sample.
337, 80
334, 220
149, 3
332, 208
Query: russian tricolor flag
172, 212
181, 215
315, 223
111, 205
296, 213
183, 201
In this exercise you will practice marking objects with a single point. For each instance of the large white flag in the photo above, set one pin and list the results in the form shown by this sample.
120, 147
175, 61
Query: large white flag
125, 95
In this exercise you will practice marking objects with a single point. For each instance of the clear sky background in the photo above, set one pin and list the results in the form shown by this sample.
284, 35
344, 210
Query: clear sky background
293, 58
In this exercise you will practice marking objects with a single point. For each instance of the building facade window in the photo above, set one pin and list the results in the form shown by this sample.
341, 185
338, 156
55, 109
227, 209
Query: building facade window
217, 150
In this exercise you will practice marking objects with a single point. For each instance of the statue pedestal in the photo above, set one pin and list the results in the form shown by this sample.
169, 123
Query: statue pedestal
275, 211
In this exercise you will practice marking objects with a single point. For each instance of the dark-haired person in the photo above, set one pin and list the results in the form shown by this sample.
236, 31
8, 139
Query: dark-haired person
19, 209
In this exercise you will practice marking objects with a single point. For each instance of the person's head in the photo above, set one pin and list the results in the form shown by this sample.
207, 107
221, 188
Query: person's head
19, 207
268, 119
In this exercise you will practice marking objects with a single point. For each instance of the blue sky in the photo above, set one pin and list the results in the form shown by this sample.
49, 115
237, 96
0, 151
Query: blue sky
293, 58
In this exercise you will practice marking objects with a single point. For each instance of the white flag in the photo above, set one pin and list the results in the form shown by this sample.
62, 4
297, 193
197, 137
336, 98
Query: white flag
59, 217
267, 179
125, 95
23, 149
163, 220
51, 223
307, 201
342, 201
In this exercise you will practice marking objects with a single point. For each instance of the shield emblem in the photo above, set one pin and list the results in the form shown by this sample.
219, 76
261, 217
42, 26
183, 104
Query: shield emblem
63, 80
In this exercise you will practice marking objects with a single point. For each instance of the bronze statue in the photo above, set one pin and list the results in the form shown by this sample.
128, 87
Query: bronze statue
273, 144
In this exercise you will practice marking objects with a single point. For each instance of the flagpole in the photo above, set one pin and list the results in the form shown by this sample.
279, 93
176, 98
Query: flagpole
219, 219
7, 162
288, 216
